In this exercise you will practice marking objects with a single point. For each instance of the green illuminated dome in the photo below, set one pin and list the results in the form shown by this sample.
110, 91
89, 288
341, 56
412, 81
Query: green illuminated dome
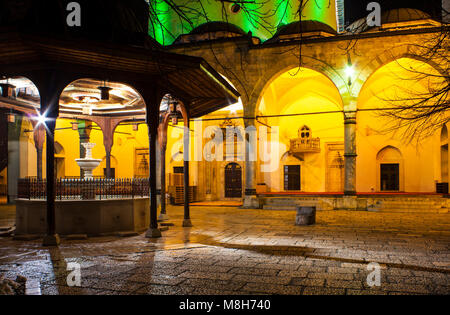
211, 31
217, 27
219, 16
305, 27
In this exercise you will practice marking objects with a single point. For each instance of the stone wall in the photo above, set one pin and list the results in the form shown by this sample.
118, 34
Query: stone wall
91, 217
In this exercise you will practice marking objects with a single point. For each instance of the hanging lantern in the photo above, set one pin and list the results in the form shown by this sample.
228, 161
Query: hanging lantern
7, 90
173, 112
74, 125
172, 107
87, 110
11, 118
104, 92
135, 127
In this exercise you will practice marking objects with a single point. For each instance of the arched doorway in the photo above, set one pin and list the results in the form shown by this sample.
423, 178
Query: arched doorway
233, 180
335, 169
390, 169
444, 155
442, 187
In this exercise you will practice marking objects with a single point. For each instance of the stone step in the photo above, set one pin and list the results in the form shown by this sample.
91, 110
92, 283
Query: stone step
412, 201
414, 205
287, 208
288, 201
409, 205
397, 210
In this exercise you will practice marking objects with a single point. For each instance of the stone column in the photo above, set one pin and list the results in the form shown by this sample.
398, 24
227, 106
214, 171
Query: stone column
250, 198
349, 200
350, 153
13, 152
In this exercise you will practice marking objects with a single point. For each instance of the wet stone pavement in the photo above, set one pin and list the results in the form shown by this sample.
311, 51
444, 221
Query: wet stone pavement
236, 251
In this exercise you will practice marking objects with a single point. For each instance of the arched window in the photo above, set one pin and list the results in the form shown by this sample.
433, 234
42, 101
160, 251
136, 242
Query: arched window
444, 134
304, 132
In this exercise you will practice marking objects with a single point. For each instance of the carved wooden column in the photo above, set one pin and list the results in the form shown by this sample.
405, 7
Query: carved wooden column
107, 125
163, 147
39, 138
3, 139
50, 85
50, 108
51, 238
153, 230
152, 99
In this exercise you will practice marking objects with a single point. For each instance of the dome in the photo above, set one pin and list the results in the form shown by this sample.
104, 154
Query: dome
212, 27
212, 31
404, 16
308, 29
305, 26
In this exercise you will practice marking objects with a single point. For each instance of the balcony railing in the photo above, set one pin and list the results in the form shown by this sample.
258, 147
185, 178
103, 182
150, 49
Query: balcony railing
84, 189
305, 145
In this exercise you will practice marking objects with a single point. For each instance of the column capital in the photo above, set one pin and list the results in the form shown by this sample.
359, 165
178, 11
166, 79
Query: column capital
350, 117
249, 121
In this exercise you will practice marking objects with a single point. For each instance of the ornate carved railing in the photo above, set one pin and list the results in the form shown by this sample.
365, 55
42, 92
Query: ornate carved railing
305, 145
85, 189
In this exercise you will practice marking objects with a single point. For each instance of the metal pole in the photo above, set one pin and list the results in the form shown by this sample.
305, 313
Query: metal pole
187, 219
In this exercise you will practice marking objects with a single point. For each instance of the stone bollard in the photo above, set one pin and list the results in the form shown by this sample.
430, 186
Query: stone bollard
305, 215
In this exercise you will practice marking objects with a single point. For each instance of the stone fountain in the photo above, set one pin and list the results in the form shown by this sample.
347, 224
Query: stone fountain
88, 164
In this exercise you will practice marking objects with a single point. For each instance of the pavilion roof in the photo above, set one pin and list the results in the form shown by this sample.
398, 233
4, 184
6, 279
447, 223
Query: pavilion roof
189, 78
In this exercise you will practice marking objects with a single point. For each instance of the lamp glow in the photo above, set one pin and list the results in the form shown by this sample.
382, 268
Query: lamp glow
349, 71
40, 118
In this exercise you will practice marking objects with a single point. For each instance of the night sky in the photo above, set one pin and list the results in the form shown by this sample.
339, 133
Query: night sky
356, 9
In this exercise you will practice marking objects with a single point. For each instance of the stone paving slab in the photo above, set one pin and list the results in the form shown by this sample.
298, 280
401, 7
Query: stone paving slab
235, 251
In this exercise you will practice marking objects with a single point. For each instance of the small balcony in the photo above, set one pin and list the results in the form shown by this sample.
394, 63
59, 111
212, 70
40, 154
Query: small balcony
305, 145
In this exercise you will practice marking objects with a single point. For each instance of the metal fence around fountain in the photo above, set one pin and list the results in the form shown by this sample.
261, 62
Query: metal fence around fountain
84, 189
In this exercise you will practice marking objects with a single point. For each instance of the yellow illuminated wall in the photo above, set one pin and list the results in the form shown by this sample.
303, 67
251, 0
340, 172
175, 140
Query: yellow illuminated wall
420, 159
302, 92
290, 100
